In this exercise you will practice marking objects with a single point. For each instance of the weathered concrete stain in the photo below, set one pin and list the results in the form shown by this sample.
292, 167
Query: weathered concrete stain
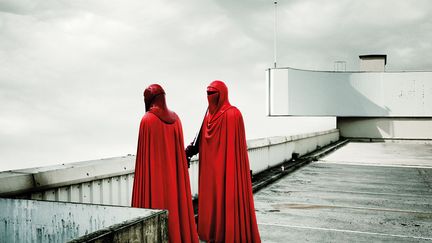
298, 206
43, 221
153, 228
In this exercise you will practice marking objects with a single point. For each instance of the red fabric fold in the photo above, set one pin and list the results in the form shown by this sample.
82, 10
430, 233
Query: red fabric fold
161, 175
226, 211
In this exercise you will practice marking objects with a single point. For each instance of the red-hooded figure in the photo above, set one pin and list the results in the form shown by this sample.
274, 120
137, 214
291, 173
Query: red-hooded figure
161, 175
226, 211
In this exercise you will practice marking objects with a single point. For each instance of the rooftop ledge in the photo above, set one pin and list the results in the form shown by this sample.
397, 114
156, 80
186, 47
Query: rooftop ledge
14, 182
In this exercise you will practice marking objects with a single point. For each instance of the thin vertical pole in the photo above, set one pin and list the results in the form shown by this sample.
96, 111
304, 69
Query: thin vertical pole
275, 34
269, 91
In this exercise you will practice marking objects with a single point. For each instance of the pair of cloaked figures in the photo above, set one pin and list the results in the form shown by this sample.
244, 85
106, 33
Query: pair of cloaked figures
226, 210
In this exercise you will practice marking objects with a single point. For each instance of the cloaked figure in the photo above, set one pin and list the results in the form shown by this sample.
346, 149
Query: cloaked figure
161, 174
226, 211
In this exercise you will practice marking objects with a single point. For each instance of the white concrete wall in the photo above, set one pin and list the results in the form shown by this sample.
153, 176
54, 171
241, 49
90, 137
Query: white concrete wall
39, 221
110, 181
372, 64
388, 128
269, 152
353, 94
278, 86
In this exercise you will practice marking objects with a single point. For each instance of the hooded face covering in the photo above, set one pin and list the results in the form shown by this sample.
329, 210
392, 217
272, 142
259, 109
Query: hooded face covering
154, 98
213, 98
217, 96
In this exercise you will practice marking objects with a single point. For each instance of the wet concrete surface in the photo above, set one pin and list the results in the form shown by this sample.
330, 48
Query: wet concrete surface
356, 201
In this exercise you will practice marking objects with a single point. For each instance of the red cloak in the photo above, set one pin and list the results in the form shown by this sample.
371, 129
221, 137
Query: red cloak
226, 211
161, 175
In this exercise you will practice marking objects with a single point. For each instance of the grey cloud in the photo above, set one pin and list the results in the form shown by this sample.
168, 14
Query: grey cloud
17, 7
72, 72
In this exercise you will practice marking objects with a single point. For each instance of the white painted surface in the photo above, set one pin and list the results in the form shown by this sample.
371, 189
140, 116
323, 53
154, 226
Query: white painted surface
72, 184
383, 154
372, 64
40, 221
354, 94
278, 90
387, 128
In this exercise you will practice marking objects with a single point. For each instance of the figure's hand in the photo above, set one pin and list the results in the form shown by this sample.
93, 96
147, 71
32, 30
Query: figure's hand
191, 150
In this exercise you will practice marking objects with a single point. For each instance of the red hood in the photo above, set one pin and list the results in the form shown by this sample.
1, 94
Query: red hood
154, 98
220, 105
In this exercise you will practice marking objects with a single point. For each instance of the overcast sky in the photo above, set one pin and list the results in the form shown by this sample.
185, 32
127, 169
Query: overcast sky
72, 73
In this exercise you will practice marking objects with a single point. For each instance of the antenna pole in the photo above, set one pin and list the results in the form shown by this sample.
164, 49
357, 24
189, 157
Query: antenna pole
275, 34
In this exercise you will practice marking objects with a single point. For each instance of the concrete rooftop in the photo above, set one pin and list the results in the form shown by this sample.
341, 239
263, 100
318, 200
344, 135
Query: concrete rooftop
362, 192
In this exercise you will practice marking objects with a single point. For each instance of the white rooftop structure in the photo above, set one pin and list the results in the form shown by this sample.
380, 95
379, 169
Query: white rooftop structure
373, 63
